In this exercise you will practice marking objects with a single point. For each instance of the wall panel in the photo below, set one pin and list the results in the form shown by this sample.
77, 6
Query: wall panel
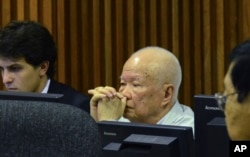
95, 37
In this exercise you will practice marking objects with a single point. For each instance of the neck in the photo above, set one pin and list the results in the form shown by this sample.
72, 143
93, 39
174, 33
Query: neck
42, 84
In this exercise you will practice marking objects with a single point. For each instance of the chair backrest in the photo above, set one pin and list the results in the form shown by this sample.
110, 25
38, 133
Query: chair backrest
46, 129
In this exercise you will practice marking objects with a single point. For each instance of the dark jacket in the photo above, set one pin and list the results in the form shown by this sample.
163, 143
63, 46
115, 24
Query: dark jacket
71, 96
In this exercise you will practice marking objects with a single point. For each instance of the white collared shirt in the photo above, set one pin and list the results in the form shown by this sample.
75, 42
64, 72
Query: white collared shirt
46, 88
180, 115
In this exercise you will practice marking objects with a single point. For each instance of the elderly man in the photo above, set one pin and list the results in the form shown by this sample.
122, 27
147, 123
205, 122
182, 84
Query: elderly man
148, 92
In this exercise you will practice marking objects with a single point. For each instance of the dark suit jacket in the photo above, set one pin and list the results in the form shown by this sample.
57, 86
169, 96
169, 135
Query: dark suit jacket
71, 96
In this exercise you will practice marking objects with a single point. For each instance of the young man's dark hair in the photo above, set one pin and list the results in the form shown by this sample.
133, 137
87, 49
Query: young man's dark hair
29, 40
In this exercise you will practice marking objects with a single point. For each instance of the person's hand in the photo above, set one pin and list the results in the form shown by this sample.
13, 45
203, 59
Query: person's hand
100, 93
111, 108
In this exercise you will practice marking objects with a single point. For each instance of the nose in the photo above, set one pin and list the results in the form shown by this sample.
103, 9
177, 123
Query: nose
125, 91
6, 77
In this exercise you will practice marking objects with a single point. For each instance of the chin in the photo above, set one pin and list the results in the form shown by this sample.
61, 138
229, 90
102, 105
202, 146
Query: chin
127, 115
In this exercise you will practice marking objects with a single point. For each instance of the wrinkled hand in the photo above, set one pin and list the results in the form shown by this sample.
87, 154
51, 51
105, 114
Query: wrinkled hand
106, 103
111, 108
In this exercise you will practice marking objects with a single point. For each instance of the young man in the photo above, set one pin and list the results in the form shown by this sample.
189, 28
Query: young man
27, 59
148, 93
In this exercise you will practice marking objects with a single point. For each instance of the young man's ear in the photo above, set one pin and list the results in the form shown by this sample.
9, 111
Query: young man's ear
169, 92
44, 66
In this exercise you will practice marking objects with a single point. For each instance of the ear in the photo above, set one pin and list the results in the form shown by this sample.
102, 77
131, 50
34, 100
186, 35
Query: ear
44, 66
168, 93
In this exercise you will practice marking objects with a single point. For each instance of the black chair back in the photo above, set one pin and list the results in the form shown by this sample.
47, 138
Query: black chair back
46, 129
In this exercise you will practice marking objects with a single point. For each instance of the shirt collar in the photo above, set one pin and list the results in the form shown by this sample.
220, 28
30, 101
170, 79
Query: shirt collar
172, 112
46, 88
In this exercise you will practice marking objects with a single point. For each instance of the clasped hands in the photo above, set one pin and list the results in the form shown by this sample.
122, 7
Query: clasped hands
106, 103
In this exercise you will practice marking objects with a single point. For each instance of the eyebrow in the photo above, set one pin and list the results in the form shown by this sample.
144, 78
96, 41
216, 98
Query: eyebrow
15, 64
12, 65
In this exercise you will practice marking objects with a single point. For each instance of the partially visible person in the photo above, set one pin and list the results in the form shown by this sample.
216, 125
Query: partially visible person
27, 62
148, 93
235, 101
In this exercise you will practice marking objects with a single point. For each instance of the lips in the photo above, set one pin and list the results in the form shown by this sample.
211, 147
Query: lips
12, 89
128, 108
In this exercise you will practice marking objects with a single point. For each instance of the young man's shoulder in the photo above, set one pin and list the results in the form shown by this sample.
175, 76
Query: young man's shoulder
66, 90
71, 96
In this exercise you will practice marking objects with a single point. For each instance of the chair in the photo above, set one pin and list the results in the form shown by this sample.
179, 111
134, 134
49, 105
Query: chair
46, 129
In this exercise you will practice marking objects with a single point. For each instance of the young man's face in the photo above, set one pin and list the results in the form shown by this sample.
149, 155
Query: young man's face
18, 75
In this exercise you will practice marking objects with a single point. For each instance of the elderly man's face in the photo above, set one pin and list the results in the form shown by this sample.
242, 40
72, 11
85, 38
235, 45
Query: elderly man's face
237, 114
144, 96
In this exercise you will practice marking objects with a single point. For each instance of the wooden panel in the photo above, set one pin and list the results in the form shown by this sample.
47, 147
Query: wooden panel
60, 38
108, 42
95, 37
6, 12
207, 46
33, 10
220, 40
73, 41
175, 28
46, 13
153, 25
118, 42
97, 51
244, 19
163, 28
186, 56
197, 49
231, 34
141, 24
20, 9
130, 28
86, 63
